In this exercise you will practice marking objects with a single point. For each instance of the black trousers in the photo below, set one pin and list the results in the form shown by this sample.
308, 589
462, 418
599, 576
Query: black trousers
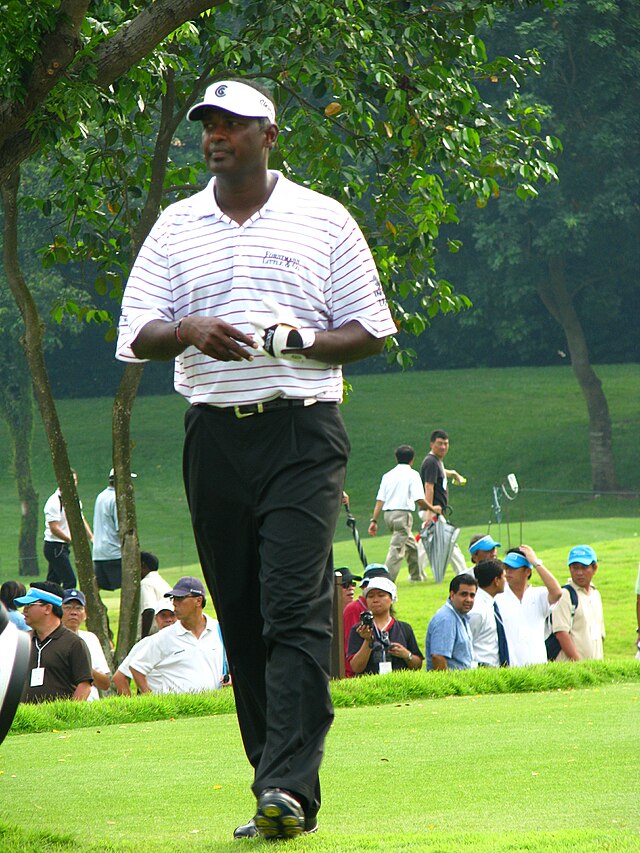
264, 494
60, 569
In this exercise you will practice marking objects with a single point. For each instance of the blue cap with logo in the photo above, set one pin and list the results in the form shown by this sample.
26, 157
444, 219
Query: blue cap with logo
582, 554
74, 595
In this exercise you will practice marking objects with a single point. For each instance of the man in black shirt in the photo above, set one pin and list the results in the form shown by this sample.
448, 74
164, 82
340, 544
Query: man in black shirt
59, 665
436, 478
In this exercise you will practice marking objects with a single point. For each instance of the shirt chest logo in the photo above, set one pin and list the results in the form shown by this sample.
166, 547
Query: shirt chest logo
274, 259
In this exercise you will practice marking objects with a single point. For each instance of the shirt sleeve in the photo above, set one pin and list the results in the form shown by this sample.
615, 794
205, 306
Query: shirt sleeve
53, 509
429, 471
443, 638
561, 618
416, 487
148, 295
355, 642
80, 662
356, 292
410, 640
149, 656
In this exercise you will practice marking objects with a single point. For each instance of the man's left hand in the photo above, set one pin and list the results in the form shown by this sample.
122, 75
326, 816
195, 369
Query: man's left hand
279, 333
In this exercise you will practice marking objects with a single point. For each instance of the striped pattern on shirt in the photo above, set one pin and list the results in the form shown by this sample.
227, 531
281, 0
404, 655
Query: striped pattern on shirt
302, 249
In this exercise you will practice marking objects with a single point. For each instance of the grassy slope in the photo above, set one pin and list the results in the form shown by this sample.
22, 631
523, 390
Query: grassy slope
469, 773
531, 421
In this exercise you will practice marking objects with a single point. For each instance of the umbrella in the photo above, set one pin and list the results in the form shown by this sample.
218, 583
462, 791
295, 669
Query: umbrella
438, 538
351, 523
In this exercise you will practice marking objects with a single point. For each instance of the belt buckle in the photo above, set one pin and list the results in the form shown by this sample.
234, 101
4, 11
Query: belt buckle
239, 414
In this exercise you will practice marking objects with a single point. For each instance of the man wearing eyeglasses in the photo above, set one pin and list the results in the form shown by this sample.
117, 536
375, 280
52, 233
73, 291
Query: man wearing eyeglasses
188, 656
59, 665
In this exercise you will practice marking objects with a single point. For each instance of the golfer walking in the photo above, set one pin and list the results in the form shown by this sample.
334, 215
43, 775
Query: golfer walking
261, 289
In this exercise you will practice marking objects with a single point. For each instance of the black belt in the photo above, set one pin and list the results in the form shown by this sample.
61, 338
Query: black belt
248, 409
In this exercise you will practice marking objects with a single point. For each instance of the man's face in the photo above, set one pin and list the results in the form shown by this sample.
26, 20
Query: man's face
165, 618
187, 606
501, 582
234, 144
517, 578
581, 575
439, 447
463, 599
73, 615
484, 555
348, 591
35, 614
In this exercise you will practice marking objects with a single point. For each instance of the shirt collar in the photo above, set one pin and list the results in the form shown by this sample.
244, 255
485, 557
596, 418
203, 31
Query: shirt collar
204, 203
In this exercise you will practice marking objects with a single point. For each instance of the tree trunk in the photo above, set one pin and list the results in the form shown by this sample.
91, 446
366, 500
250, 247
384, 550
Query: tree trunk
126, 506
126, 393
558, 301
33, 347
16, 403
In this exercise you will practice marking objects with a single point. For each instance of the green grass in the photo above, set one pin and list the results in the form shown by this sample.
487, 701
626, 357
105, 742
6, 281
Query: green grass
346, 693
524, 772
528, 420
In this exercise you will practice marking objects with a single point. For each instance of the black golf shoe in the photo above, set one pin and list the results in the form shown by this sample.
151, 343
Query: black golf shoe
279, 815
250, 830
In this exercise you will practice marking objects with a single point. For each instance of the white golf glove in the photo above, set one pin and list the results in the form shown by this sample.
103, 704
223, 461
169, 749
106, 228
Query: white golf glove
279, 332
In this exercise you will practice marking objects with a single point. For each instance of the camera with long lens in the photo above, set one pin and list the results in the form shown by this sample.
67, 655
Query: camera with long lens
366, 619
14, 665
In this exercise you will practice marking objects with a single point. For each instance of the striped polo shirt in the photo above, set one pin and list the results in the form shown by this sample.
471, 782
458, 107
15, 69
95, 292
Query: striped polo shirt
302, 249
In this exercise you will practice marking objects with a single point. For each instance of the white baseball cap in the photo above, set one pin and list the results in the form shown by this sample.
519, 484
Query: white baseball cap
384, 584
235, 97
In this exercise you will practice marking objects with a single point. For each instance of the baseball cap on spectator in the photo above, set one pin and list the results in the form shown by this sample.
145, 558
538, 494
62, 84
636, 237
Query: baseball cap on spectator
484, 543
74, 595
187, 586
36, 594
374, 570
112, 474
383, 584
163, 604
344, 576
234, 97
582, 554
515, 559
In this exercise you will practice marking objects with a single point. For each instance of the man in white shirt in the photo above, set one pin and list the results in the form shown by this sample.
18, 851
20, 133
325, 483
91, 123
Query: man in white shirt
400, 490
487, 629
188, 656
57, 540
261, 289
153, 588
107, 552
164, 616
524, 608
73, 616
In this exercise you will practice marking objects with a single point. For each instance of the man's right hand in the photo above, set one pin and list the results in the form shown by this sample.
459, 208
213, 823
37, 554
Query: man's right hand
216, 338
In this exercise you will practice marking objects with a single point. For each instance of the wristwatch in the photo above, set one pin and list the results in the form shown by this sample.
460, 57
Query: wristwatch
410, 657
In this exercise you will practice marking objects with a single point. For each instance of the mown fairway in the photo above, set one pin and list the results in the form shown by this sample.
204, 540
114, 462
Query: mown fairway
536, 772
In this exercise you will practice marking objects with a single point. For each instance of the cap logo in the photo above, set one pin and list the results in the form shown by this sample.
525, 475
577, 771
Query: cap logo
221, 91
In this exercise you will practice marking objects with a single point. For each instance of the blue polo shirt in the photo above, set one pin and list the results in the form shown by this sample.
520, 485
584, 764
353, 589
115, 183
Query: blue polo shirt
449, 635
